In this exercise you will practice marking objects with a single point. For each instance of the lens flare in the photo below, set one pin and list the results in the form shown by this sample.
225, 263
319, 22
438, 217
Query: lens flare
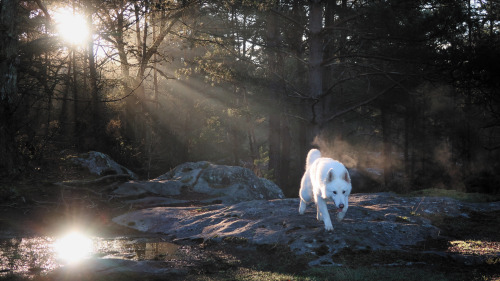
72, 27
73, 247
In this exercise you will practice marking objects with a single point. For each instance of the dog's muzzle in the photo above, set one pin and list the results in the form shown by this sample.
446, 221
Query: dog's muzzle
340, 208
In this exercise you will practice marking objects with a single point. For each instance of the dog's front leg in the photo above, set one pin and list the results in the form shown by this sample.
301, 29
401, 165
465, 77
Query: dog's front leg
323, 212
302, 206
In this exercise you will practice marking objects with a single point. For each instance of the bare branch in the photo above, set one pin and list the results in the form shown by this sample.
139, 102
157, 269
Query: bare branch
367, 101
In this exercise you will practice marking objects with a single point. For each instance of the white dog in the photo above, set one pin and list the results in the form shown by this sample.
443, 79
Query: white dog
325, 178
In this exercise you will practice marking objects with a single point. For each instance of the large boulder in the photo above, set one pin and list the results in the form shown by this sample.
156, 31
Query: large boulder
101, 164
210, 182
155, 187
382, 221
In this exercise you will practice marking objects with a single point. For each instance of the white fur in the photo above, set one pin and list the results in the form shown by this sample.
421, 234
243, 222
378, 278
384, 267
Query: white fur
324, 179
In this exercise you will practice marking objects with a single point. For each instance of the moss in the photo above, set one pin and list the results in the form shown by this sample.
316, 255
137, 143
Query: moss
235, 240
402, 219
474, 247
493, 261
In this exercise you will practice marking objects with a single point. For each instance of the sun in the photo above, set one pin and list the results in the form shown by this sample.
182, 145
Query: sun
71, 27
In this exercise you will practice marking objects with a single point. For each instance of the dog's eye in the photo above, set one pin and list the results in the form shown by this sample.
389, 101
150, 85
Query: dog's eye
343, 192
335, 192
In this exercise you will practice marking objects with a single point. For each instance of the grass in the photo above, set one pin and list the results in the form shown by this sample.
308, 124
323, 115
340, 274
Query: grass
332, 273
375, 273
361, 273
246, 274
475, 247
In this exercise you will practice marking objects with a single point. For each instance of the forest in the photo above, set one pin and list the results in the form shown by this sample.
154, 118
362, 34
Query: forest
404, 91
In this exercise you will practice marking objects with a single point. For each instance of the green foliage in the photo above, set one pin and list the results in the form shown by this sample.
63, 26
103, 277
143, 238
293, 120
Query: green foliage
235, 240
262, 164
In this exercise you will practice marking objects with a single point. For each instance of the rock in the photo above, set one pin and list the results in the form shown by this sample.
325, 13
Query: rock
116, 269
104, 180
158, 187
101, 164
381, 221
228, 184
155, 201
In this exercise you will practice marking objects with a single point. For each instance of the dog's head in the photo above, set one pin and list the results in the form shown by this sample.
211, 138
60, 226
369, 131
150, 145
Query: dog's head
337, 185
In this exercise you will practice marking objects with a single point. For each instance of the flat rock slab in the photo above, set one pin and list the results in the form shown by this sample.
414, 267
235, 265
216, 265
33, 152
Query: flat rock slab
381, 221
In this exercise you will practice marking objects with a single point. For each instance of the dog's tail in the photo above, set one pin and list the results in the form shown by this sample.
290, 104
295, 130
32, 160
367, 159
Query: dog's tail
312, 156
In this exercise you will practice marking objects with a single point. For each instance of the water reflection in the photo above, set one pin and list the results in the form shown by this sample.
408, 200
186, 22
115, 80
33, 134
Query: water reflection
136, 250
37, 255
27, 255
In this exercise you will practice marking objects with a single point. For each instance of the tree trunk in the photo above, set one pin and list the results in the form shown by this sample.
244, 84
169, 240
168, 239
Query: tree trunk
274, 115
316, 111
10, 161
386, 139
286, 143
76, 114
119, 42
297, 48
94, 91
64, 115
409, 155
274, 145
406, 148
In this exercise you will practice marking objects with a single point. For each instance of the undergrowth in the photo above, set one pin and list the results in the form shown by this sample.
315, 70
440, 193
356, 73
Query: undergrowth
458, 195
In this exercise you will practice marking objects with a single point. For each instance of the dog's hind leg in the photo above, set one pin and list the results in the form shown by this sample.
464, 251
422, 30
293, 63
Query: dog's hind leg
305, 193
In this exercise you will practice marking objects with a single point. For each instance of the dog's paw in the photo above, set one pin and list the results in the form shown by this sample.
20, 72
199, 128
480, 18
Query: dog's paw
328, 227
319, 216
302, 208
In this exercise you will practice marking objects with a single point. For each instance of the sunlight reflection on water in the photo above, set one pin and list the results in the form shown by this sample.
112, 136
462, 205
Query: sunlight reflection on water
39, 255
73, 247
27, 255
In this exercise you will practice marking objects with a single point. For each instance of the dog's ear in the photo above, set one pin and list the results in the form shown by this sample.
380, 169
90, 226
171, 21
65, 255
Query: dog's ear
329, 177
346, 177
